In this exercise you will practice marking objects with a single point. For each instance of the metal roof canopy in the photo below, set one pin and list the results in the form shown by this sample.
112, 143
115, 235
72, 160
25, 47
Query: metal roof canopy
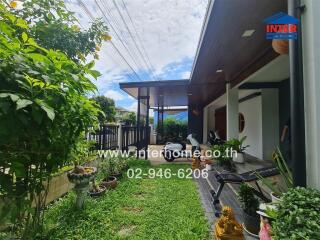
172, 92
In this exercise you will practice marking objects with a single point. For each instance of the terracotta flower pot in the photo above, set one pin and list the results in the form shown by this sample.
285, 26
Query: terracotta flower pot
102, 191
110, 182
280, 46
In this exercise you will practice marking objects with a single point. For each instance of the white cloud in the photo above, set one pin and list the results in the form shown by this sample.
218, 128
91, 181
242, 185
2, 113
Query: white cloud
115, 95
186, 75
133, 107
169, 30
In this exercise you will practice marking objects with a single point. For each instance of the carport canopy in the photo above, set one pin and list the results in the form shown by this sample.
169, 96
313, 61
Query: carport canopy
165, 93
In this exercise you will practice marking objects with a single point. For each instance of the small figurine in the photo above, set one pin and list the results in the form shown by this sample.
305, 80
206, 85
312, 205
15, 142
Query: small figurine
196, 163
265, 228
227, 227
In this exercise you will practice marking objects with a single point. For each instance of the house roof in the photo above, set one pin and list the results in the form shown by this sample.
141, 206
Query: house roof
172, 92
223, 47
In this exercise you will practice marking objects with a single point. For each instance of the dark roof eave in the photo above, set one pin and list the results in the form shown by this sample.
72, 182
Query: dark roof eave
153, 83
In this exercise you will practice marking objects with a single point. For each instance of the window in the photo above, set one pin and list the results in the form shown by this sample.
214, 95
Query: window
241, 123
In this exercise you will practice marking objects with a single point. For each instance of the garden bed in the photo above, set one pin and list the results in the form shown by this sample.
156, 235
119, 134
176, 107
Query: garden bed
137, 209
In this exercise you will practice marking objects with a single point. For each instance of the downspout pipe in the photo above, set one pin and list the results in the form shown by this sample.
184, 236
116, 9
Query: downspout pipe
298, 150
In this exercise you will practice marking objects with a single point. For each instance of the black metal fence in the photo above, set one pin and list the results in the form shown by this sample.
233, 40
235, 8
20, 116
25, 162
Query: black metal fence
107, 137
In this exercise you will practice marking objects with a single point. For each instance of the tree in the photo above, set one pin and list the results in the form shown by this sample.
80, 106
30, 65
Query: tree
44, 110
130, 118
107, 106
54, 27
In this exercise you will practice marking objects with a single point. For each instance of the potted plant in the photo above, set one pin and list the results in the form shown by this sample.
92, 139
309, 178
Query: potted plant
123, 164
79, 175
250, 205
276, 188
109, 182
297, 215
96, 190
238, 146
223, 156
114, 168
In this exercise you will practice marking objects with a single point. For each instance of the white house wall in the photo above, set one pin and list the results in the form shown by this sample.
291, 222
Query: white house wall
251, 110
270, 121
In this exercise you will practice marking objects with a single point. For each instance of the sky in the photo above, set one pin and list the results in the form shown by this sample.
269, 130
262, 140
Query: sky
151, 40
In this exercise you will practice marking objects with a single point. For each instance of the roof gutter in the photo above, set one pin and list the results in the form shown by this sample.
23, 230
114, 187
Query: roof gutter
203, 31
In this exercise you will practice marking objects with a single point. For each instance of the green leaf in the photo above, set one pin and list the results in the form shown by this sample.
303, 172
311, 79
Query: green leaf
24, 37
22, 23
94, 73
90, 64
13, 97
49, 111
22, 103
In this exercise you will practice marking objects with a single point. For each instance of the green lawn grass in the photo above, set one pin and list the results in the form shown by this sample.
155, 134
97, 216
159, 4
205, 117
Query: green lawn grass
138, 209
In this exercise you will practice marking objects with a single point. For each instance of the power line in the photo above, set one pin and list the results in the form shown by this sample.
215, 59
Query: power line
112, 44
117, 25
133, 39
138, 37
117, 35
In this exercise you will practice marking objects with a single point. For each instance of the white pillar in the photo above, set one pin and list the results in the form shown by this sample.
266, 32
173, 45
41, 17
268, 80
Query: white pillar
232, 112
120, 137
205, 125
311, 72
270, 122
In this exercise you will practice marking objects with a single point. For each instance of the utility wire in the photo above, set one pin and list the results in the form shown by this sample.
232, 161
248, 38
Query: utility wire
112, 44
133, 38
116, 24
117, 35
139, 39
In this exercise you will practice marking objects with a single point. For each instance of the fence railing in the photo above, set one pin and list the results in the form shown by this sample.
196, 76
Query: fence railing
110, 136
106, 137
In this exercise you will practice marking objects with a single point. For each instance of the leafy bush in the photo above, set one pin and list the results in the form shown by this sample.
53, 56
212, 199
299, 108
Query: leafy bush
285, 172
298, 215
248, 201
174, 130
114, 165
237, 144
222, 153
44, 112
54, 27
107, 106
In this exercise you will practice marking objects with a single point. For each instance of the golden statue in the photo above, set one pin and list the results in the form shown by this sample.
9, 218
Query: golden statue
196, 163
227, 227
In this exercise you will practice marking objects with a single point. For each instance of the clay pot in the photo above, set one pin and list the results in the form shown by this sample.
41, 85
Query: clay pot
251, 223
110, 182
102, 190
280, 46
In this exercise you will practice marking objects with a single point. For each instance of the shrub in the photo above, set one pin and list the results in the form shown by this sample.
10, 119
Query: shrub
248, 201
174, 130
44, 111
298, 215
222, 153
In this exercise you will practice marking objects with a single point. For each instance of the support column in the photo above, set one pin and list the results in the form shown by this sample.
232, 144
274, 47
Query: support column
311, 76
205, 125
270, 122
232, 112
147, 126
